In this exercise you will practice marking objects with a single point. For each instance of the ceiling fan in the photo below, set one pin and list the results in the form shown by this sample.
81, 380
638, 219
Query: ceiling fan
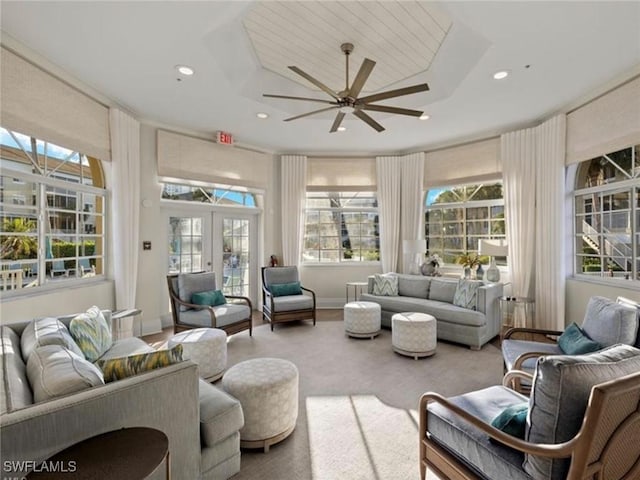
347, 100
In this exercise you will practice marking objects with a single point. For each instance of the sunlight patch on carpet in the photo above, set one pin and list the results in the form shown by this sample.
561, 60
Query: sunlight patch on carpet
359, 437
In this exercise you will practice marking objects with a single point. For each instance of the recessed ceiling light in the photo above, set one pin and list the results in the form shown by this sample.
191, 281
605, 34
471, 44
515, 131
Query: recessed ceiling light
342, 129
501, 74
262, 115
185, 70
424, 116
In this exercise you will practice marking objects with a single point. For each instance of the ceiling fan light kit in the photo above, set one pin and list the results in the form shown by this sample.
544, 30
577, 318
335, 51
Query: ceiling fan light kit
348, 102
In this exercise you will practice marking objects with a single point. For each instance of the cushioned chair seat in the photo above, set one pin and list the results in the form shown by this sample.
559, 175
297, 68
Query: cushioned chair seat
126, 347
512, 349
490, 460
225, 315
289, 303
220, 414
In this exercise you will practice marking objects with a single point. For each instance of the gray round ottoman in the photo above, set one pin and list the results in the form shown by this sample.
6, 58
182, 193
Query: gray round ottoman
362, 319
267, 389
205, 346
413, 334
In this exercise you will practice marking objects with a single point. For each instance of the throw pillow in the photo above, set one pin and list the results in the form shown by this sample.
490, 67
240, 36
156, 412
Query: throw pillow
46, 331
284, 289
190, 283
512, 420
385, 285
92, 333
212, 298
54, 370
466, 293
123, 367
574, 341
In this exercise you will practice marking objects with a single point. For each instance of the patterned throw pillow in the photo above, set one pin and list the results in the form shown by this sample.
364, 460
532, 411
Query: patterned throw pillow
212, 298
385, 285
123, 367
466, 293
92, 333
284, 289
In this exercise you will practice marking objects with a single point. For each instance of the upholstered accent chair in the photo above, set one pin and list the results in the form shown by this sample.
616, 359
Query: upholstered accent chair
582, 423
606, 322
233, 316
283, 298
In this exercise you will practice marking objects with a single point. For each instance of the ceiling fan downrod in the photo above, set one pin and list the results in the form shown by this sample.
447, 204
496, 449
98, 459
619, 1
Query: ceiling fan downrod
346, 48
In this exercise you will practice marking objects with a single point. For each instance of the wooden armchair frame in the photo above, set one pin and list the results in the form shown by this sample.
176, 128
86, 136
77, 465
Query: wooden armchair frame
270, 315
599, 450
176, 302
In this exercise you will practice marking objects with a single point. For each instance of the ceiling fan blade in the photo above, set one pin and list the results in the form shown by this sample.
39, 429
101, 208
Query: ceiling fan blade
337, 122
394, 93
299, 98
361, 77
396, 110
367, 119
317, 83
309, 113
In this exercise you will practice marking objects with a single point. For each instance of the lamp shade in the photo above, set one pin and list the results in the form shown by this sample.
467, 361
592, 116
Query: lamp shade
496, 247
414, 246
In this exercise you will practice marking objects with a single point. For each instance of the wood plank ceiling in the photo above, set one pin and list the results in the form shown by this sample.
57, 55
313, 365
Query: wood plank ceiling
402, 37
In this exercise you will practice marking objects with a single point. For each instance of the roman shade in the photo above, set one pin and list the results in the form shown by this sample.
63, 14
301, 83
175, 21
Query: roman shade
607, 124
344, 174
472, 162
36, 103
190, 158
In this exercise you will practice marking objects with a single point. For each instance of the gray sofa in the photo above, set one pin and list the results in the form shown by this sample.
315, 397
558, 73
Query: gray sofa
434, 295
201, 421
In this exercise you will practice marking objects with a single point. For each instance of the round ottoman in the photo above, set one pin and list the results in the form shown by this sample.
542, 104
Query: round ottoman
362, 319
205, 346
267, 389
413, 334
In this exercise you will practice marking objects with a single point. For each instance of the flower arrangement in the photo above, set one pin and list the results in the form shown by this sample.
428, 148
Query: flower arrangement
469, 260
431, 265
435, 260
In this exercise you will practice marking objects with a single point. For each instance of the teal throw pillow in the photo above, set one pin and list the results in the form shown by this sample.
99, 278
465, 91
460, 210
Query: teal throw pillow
212, 298
284, 289
575, 342
512, 420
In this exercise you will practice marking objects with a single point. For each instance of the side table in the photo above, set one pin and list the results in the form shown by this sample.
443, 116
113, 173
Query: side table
357, 288
131, 453
516, 312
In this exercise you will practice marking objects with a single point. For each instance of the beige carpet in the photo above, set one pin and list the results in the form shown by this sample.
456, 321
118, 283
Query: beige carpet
358, 401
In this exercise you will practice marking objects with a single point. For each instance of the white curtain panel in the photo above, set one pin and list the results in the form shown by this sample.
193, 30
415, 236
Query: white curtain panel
389, 176
550, 203
411, 206
518, 153
125, 154
293, 196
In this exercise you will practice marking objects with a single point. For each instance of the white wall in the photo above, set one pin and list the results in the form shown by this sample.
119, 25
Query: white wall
329, 281
579, 292
71, 299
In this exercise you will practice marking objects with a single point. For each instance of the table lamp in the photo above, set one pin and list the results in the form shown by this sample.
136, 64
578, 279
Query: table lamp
496, 247
415, 249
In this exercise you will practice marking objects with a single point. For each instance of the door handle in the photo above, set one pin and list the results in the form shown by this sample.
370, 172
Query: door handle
208, 264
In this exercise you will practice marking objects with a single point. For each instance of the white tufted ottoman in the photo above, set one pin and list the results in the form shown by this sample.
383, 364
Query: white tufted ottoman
413, 334
205, 346
267, 389
362, 319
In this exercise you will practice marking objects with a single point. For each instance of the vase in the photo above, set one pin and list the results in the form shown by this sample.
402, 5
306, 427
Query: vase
466, 272
479, 272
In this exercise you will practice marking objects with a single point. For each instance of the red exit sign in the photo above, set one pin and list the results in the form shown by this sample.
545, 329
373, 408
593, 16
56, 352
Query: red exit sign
224, 138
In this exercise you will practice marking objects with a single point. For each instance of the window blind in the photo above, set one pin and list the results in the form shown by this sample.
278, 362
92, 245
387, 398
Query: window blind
341, 174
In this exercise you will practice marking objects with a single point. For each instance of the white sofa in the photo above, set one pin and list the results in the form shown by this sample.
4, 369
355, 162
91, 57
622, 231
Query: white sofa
434, 295
201, 421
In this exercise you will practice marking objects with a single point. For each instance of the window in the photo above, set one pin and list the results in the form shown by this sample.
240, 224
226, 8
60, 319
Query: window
52, 204
341, 227
234, 196
457, 217
607, 216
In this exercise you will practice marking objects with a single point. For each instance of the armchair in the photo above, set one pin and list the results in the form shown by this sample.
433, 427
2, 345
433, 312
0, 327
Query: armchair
582, 416
230, 317
285, 308
605, 321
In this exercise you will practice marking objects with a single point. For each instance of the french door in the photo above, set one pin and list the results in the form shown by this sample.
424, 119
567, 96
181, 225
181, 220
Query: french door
222, 242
